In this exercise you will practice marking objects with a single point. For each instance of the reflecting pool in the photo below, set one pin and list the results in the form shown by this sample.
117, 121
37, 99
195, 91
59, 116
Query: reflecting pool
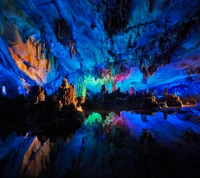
123, 144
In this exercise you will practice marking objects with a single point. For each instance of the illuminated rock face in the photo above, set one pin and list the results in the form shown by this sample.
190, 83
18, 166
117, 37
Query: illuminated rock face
31, 59
130, 43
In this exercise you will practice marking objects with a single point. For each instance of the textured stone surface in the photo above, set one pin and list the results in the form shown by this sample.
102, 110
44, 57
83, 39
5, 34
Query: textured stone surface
45, 41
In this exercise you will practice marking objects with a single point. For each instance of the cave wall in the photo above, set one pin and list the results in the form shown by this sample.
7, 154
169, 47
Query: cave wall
119, 43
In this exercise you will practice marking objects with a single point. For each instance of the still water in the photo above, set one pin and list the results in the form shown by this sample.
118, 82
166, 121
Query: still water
123, 144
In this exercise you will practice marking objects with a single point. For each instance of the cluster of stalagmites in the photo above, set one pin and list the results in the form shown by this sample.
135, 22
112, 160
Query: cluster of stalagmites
66, 96
139, 100
41, 113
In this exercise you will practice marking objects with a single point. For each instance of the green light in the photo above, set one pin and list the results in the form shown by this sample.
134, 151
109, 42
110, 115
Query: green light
92, 118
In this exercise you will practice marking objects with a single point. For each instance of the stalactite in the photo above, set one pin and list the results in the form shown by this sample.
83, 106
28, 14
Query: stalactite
37, 50
63, 32
1, 25
116, 15
49, 64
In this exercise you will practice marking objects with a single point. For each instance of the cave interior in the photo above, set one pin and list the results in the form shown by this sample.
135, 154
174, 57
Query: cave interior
129, 46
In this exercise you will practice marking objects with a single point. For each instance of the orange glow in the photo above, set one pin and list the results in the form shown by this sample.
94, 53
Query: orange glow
30, 59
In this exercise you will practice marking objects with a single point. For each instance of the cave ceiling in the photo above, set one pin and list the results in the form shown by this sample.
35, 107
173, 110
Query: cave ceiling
128, 42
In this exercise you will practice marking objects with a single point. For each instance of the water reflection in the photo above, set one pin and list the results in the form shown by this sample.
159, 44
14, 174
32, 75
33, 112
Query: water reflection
125, 144
153, 120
